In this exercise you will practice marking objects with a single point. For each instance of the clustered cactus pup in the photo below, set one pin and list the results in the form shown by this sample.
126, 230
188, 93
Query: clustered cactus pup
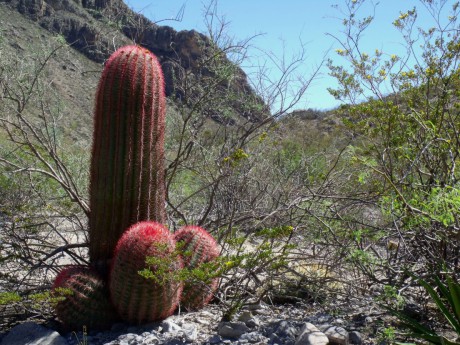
198, 247
85, 299
139, 299
127, 162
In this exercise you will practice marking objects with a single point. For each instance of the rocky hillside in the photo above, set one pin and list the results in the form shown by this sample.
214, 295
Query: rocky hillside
95, 28
72, 76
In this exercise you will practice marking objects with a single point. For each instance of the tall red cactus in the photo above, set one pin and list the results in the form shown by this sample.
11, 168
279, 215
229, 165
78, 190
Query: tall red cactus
127, 163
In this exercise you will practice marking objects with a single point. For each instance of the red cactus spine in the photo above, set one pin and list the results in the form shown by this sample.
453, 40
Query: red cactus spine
197, 247
139, 299
85, 299
127, 163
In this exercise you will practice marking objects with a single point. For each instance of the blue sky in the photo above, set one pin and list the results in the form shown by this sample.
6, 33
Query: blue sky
282, 25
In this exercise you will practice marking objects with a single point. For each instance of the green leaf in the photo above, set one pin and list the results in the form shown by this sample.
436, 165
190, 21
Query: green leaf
447, 314
454, 288
444, 291
414, 325
445, 341
9, 297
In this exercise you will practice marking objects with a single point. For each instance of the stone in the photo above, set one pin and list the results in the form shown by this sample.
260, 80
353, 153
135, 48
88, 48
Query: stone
151, 340
190, 331
232, 329
29, 333
282, 327
355, 338
129, 336
310, 335
173, 342
139, 339
245, 316
322, 318
275, 340
337, 335
170, 327
215, 339
254, 337
259, 309
281, 331
202, 321
249, 319
285, 329
413, 310
253, 322
255, 306
323, 327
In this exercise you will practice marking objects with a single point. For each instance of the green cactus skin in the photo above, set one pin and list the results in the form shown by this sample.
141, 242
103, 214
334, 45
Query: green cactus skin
86, 299
197, 247
138, 299
127, 163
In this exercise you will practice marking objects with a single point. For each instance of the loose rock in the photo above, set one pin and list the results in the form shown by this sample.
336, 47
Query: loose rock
286, 329
355, 338
30, 333
232, 329
282, 325
254, 337
250, 320
337, 335
169, 327
310, 335
190, 332
215, 339
151, 340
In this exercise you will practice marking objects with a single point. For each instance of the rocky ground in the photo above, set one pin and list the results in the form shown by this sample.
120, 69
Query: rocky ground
359, 322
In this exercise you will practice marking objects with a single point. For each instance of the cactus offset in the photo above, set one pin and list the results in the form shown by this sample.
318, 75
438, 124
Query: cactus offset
197, 247
85, 299
127, 163
139, 299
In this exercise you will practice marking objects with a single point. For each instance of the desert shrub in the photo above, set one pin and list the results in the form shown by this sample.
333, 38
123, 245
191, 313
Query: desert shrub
405, 140
42, 179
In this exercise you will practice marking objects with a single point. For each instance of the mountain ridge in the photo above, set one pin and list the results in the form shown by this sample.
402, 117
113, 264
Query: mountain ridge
96, 28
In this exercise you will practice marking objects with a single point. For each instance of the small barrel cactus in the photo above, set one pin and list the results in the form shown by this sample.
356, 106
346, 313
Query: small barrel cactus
197, 247
127, 163
83, 299
137, 298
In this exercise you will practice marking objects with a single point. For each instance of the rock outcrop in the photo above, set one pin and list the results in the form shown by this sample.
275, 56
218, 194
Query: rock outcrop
97, 27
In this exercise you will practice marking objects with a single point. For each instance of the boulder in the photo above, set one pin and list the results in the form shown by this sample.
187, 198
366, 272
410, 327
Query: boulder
337, 335
310, 335
232, 329
29, 333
